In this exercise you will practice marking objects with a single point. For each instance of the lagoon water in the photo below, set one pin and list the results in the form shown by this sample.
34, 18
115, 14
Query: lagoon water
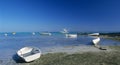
12, 43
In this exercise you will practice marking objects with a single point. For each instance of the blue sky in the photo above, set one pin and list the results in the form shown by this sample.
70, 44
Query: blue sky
54, 15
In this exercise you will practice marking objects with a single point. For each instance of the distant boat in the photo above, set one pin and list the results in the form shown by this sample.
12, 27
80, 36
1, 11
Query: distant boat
29, 54
46, 33
64, 31
71, 35
14, 33
94, 34
33, 33
6, 34
96, 41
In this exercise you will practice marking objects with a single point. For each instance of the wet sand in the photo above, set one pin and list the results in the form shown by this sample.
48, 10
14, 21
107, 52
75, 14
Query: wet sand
75, 49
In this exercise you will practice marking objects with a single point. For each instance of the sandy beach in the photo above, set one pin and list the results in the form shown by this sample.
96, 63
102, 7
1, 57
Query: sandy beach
75, 49
65, 49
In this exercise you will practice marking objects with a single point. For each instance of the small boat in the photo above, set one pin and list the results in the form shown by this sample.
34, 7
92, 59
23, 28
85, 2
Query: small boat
6, 34
33, 33
94, 34
29, 54
14, 33
64, 31
96, 41
45, 33
71, 35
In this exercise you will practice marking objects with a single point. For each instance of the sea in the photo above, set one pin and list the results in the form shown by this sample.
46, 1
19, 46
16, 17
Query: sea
10, 43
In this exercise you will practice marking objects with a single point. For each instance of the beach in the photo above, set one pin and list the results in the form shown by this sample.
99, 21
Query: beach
69, 50
55, 44
55, 53
76, 49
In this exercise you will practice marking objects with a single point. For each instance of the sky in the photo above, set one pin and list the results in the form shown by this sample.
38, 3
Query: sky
54, 15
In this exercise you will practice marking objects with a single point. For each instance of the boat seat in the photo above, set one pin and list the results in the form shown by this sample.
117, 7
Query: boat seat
34, 51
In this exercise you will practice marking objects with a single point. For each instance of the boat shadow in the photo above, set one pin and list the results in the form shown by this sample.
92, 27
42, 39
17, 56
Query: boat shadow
18, 59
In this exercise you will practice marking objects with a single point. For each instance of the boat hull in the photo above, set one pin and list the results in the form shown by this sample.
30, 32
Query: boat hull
71, 35
49, 34
29, 54
94, 34
96, 41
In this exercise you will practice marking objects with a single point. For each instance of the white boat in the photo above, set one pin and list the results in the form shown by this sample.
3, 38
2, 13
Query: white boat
33, 33
64, 31
45, 33
71, 35
94, 34
96, 41
29, 54
6, 34
14, 33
